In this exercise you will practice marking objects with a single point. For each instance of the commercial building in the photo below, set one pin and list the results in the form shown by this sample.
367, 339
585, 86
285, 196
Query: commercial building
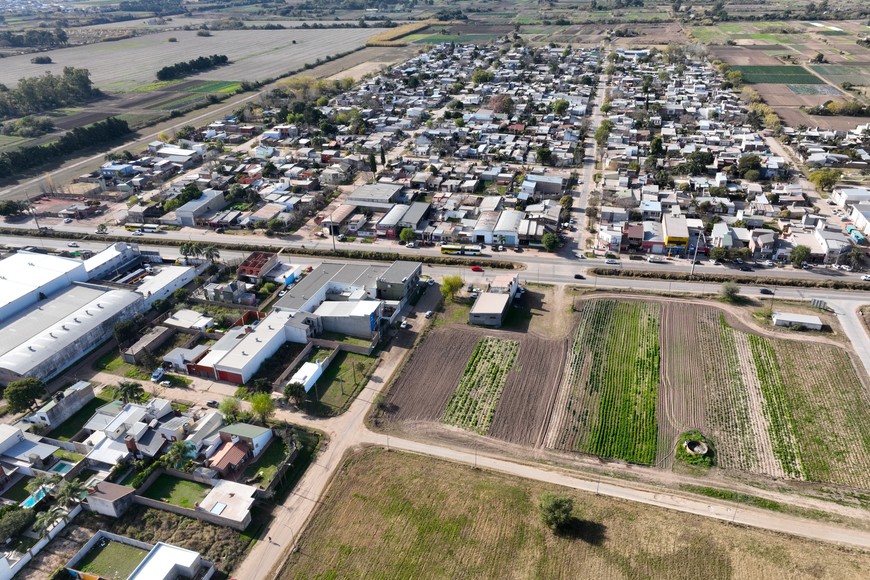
28, 277
112, 261
375, 195
675, 231
193, 211
490, 309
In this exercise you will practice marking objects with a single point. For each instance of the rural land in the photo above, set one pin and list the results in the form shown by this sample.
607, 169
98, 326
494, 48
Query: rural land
489, 288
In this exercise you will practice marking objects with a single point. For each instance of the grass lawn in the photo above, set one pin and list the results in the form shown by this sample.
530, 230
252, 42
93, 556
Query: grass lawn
111, 362
454, 311
396, 515
68, 455
177, 491
114, 560
67, 430
336, 387
338, 337
268, 463
17, 493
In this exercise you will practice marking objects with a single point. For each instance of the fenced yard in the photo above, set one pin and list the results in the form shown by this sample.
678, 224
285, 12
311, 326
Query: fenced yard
180, 492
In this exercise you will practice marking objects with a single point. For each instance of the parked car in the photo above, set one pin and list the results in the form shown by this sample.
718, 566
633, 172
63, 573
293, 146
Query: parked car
157, 375
470, 288
411, 245
282, 292
765, 291
431, 282
67, 220
212, 403
429, 314
476, 269
474, 294
769, 263
72, 244
579, 277
846, 267
405, 324
738, 261
165, 383
219, 230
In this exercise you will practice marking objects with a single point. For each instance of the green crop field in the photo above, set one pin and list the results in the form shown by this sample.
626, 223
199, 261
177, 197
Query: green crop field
778, 74
612, 379
472, 405
214, 87
813, 90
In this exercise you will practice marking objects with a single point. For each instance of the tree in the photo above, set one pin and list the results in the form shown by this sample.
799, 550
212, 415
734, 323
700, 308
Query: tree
656, 148
799, 255
550, 241
544, 155
407, 235
295, 391
102, 229
70, 492
230, 408
556, 511
567, 202
46, 520
263, 406
210, 253
825, 178
129, 391
855, 257
373, 164
41, 482
481, 76
23, 394
560, 107
450, 285
178, 455
14, 520
718, 253
729, 291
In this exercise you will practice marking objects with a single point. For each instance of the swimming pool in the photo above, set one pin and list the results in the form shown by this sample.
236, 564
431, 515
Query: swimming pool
62, 467
33, 499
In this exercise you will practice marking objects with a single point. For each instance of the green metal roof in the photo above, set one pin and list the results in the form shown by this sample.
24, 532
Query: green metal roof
244, 430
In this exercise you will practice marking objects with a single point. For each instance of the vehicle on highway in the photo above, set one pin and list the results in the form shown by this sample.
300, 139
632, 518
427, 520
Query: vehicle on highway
769, 263
745, 269
460, 250
67, 220
137, 234
579, 277
866, 277
611, 262
149, 228
72, 244
476, 269
765, 291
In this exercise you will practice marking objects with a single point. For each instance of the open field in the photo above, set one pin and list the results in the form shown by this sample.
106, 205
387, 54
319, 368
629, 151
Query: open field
393, 515
777, 74
637, 373
254, 54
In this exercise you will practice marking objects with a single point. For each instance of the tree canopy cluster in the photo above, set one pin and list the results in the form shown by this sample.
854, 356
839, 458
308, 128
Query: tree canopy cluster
34, 37
46, 92
158, 7
15, 162
196, 65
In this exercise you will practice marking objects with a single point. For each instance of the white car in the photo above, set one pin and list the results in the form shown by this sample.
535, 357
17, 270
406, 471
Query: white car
770, 263
67, 220
612, 262
866, 277
137, 234
72, 245
846, 267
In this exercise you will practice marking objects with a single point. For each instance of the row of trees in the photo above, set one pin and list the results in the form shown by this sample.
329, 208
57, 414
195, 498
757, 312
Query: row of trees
34, 37
196, 65
207, 252
46, 92
15, 162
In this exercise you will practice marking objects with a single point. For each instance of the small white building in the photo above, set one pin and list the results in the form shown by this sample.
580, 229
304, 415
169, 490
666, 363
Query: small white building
789, 319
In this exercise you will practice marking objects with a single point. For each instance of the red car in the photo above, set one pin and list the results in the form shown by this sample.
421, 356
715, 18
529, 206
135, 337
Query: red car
476, 269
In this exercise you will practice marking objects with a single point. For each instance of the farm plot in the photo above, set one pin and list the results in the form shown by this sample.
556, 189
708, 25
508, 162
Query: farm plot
777, 74
606, 404
472, 405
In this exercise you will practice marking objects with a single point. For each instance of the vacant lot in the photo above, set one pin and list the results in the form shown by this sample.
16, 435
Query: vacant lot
391, 515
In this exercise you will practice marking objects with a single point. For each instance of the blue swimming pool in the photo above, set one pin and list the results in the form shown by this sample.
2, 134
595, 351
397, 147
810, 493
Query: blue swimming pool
61, 467
33, 499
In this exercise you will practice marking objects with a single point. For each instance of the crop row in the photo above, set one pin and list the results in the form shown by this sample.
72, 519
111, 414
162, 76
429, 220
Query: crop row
472, 405
776, 406
618, 345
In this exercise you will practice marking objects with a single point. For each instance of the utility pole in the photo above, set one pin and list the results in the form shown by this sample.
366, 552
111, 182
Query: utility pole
697, 243
30, 207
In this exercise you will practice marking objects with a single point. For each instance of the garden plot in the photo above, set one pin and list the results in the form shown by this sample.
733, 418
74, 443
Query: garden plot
472, 405
606, 404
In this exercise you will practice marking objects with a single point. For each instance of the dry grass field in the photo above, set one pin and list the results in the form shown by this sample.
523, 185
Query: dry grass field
392, 515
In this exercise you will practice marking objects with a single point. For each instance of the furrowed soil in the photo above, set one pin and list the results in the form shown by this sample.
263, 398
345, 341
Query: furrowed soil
396, 515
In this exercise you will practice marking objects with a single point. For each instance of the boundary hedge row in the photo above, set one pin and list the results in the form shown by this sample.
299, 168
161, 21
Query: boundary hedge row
369, 255
740, 279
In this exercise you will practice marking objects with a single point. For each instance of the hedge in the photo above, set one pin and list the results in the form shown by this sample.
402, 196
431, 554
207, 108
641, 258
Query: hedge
740, 279
369, 255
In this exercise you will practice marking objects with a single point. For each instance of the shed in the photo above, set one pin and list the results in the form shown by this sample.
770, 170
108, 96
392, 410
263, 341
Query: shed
789, 319
489, 309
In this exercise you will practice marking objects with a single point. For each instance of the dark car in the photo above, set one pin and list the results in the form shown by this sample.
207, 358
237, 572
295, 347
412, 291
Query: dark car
745, 269
212, 404
579, 277
765, 291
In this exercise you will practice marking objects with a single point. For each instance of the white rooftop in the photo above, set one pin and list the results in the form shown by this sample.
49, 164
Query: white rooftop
162, 562
151, 285
260, 336
24, 274
229, 499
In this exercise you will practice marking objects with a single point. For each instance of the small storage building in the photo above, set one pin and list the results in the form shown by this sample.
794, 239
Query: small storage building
490, 309
788, 319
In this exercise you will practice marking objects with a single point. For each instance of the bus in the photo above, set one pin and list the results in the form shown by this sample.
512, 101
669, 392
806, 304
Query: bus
147, 228
460, 250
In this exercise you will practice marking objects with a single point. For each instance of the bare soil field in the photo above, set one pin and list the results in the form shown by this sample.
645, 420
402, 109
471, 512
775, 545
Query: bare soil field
778, 95
376, 58
396, 515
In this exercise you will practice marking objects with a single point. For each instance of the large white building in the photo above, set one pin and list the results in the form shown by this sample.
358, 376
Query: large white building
28, 277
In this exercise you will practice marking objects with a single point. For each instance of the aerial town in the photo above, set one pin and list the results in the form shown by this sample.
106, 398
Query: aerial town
471, 294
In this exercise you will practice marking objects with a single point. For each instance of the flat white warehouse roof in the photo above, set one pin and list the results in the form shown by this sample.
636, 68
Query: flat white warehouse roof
25, 272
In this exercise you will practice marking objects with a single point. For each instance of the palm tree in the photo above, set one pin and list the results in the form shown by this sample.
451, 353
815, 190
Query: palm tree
211, 253
70, 493
196, 249
41, 481
45, 520
129, 391
178, 454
